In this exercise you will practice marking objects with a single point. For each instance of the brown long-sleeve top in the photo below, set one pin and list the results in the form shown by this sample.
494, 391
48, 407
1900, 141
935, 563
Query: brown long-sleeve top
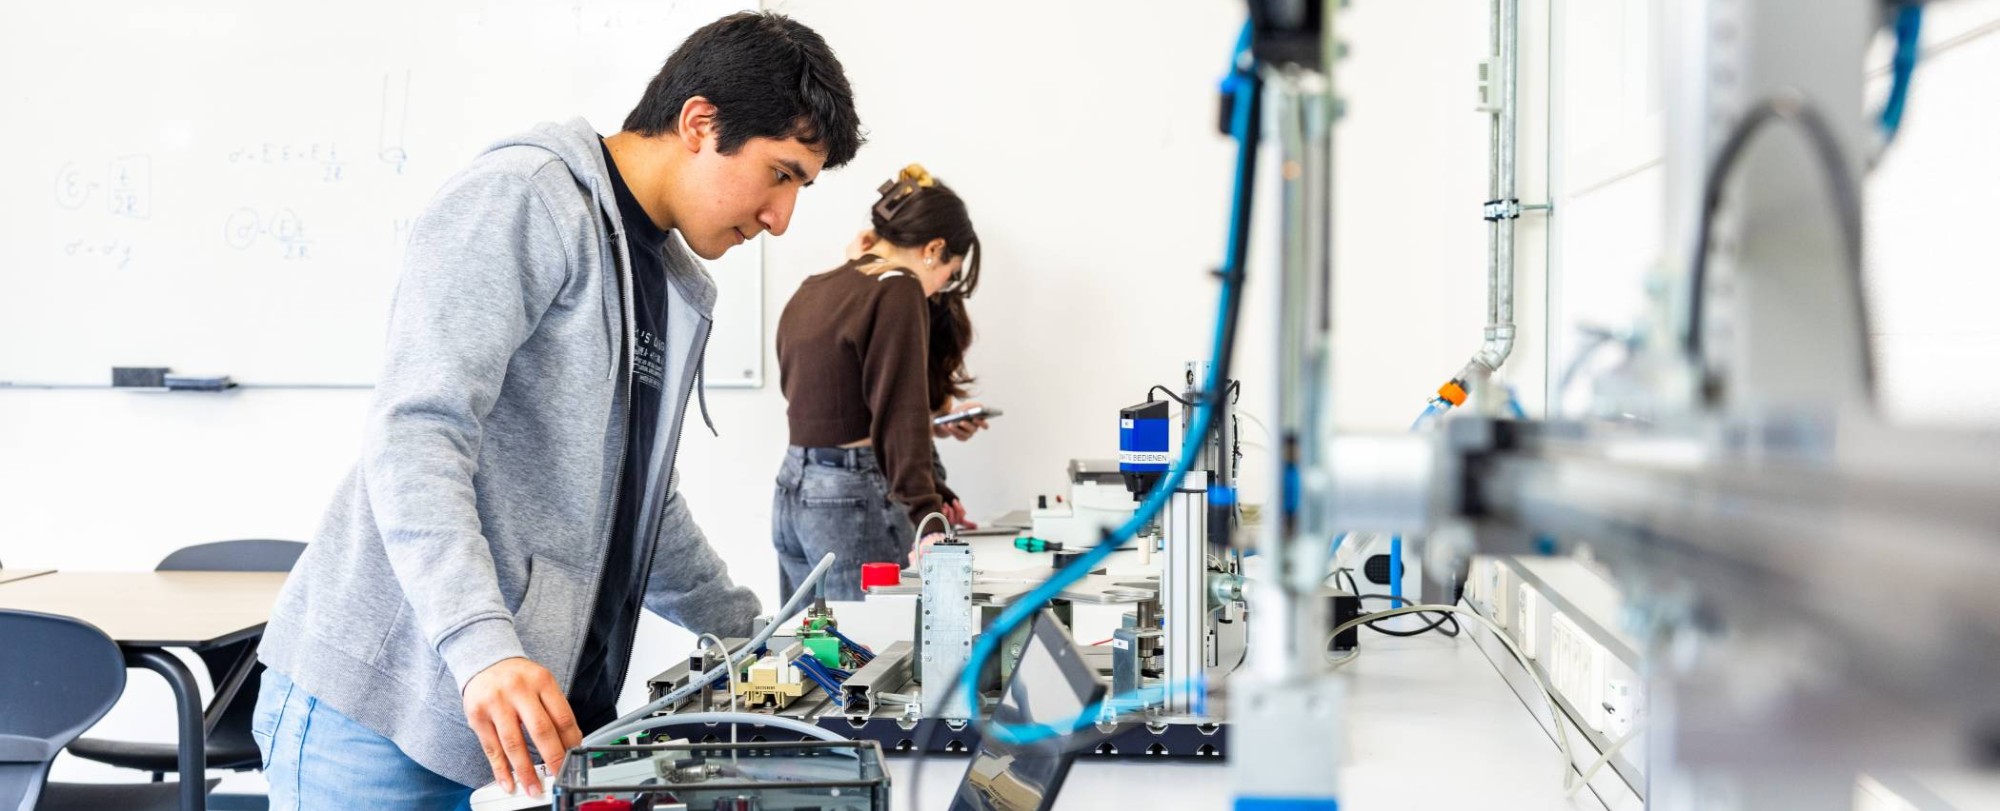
852, 362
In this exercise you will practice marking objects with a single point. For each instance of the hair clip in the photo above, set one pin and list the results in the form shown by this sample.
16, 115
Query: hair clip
900, 189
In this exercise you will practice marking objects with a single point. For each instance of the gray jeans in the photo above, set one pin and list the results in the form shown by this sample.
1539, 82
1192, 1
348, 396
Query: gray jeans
841, 507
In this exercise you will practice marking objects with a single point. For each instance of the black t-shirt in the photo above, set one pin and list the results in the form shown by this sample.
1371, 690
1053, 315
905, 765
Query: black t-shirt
607, 647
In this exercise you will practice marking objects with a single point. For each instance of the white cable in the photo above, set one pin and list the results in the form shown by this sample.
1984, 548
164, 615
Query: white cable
917, 543
751, 718
1603, 759
927, 522
724, 650
1555, 713
791, 609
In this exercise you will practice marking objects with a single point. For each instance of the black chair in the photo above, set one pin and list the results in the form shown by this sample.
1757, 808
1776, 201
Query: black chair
230, 745
60, 676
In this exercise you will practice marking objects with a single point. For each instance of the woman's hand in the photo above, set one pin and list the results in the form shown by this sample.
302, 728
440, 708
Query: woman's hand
954, 512
961, 430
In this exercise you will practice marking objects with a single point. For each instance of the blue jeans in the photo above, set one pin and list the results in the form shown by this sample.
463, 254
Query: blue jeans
844, 509
317, 758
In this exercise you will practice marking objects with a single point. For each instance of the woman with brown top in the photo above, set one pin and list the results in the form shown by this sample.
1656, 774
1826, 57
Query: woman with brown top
867, 353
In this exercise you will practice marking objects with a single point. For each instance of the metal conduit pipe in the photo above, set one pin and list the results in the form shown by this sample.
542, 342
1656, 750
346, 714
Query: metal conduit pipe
1503, 205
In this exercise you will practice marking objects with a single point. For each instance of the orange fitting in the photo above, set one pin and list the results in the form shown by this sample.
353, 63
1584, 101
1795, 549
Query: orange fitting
1452, 392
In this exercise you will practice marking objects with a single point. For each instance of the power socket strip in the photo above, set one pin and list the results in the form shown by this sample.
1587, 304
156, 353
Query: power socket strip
1477, 583
1576, 669
1528, 605
1624, 705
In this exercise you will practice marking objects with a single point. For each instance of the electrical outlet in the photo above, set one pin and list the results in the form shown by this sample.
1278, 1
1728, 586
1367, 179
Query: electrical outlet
1530, 605
1487, 103
1624, 702
1500, 590
1475, 585
1576, 669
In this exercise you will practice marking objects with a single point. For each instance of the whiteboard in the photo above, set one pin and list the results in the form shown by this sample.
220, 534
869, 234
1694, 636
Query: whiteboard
225, 186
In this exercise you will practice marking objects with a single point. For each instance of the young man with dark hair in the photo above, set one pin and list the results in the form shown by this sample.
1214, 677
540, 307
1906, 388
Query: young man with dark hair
471, 598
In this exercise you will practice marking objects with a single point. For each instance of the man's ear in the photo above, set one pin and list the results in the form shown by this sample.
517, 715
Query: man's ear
696, 124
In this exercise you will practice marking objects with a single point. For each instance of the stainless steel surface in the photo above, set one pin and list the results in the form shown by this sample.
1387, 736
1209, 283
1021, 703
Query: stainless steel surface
1498, 341
889, 672
1389, 483
1002, 588
1295, 536
948, 623
1781, 316
1285, 703
1764, 532
1184, 594
1765, 571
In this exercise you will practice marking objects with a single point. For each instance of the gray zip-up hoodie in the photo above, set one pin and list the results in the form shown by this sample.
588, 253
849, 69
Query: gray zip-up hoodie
475, 526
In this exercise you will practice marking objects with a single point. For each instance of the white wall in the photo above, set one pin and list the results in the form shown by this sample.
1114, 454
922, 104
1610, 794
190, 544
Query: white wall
1932, 280
1410, 241
1082, 135
1931, 277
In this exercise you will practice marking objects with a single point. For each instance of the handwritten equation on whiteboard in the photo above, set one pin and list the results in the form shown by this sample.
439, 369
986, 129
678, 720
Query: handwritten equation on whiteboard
122, 190
281, 182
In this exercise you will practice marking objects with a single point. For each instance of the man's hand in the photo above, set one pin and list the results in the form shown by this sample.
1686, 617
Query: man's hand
513, 695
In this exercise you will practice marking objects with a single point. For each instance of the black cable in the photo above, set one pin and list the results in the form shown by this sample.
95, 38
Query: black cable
1163, 390
1352, 587
1443, 618
1433, 626
1847, 204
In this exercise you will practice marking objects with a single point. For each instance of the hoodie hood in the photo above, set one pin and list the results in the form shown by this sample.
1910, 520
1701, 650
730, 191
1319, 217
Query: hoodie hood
577, 144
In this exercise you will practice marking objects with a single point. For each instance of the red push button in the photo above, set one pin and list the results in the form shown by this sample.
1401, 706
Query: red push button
880, 574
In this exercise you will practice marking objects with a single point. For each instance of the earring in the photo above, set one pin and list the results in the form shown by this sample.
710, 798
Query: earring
928, 261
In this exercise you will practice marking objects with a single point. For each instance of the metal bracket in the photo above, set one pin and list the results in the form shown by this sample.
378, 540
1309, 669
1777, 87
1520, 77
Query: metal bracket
1497, 210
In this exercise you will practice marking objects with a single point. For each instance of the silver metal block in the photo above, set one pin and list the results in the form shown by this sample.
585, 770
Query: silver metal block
1286, 740
1184, 594
948, 625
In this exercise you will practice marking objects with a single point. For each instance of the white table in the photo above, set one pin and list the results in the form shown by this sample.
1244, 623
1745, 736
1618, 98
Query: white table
148, 612
12, 575
1430, 724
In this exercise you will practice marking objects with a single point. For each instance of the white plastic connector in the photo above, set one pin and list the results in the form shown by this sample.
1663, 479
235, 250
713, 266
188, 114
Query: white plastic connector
1622, 705
1475, 585
1529, 627
1487, 90
1576, 669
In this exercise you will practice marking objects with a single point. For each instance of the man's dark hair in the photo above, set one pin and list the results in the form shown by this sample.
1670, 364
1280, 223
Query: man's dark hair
768, 76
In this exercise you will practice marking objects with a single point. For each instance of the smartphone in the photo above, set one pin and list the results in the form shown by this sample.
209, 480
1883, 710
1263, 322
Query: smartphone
974, 413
